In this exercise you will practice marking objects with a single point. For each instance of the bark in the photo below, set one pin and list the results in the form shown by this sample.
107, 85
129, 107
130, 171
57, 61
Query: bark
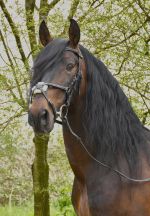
72, 12
45, 8
29, 6
40, 173
73, 9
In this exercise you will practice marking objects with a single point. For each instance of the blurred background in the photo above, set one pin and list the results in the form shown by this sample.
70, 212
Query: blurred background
117, 32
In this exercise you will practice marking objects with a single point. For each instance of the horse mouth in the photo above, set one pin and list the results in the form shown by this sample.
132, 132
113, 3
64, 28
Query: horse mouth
38, 129
43, 130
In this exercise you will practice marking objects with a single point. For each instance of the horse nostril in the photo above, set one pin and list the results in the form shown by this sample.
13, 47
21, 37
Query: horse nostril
44, 117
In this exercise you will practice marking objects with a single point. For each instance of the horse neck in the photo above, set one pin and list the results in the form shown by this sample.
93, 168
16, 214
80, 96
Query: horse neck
78, 157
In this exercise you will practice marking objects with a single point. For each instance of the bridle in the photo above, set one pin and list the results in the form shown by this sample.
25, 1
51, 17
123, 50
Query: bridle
42, 87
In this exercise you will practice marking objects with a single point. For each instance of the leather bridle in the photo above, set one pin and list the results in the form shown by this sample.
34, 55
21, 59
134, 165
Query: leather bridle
42, 87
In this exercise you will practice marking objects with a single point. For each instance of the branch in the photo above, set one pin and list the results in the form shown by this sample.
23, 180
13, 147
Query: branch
6, 102
98, 5
36, 7
11, 91
73, 9
143, 9
128, 37
72, 12
7, 122
45, 8
136, 90
142, 95
13, 69
14, 86
147, 46
4, 60
15, 33
52, 4
17, 65
125, 58
11, 118
90, 9
29, 5
145, 115
120, 68
93, 2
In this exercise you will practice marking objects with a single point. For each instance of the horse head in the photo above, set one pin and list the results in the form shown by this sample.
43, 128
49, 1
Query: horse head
56, 75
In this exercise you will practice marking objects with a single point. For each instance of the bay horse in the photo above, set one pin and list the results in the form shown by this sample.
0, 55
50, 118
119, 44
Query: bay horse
107, 146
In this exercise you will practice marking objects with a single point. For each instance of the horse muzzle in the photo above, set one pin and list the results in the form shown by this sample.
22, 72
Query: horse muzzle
41, 121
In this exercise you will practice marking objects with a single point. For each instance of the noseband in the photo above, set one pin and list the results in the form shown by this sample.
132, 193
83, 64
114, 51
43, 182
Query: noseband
42, 87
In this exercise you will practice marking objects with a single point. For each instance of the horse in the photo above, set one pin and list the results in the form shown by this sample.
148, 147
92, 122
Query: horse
107, 146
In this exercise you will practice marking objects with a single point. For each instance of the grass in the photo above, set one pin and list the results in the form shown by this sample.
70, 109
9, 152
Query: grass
28, 211
16, 211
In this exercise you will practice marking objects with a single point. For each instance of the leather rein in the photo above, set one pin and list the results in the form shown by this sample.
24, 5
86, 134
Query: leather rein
42, 87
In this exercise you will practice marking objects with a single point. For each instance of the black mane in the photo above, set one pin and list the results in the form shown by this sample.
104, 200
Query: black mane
112, 127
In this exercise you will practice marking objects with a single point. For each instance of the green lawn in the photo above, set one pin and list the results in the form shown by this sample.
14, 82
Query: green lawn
28, 211
16, 211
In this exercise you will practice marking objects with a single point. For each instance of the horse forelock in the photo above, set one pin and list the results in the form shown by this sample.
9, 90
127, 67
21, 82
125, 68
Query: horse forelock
46, 58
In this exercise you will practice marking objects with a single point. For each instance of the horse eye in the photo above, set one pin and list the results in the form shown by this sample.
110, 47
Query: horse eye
69, 66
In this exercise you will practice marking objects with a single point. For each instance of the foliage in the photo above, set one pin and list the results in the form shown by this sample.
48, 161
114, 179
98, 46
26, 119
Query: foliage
62, 206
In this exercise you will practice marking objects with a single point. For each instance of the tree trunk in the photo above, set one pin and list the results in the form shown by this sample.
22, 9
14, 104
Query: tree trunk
40, 173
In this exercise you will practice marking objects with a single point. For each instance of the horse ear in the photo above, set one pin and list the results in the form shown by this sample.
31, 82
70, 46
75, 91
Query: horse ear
44, 34
74, 33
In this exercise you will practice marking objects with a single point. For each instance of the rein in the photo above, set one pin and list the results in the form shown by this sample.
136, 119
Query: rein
99, 162
42, 87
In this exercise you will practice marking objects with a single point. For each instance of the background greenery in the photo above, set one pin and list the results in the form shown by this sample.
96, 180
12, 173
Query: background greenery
118, 32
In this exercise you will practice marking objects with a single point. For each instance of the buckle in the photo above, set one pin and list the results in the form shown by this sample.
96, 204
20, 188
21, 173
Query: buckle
39, 88
42, 86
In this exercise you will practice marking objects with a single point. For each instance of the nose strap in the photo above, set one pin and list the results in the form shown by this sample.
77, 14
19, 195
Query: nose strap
41, 88
51, 105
